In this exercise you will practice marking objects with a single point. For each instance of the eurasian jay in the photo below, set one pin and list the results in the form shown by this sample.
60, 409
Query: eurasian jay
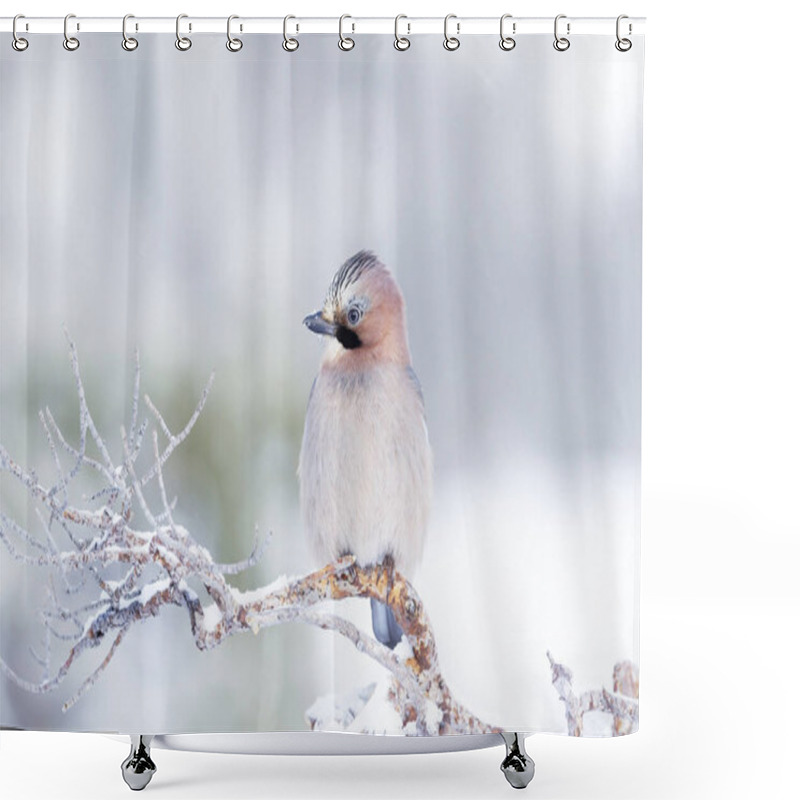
366, 467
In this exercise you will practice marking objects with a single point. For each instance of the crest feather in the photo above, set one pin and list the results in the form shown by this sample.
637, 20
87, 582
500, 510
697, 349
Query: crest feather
350, 272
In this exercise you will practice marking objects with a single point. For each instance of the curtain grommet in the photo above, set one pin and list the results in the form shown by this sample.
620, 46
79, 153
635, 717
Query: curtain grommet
71, 43
561, 43
289, 44
18, 42
623, 44
129, 43
233, 44
401, 43
451, 43
183, 43
346, 43
507, 43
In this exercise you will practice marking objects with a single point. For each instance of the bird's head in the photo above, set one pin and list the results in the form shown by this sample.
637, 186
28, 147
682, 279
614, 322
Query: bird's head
363, 311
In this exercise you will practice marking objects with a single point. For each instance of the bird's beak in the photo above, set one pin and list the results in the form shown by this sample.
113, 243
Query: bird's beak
316, 323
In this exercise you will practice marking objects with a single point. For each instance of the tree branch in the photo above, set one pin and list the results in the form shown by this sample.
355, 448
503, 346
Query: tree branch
138, 572
622, 704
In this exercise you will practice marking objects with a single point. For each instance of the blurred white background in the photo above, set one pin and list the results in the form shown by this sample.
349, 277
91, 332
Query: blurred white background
721, 433
194, 206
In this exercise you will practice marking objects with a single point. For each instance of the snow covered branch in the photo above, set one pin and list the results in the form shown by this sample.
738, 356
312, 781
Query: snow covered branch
622, 703
105, 575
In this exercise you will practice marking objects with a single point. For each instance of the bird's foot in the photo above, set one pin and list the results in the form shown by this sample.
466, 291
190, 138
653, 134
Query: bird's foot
388, 562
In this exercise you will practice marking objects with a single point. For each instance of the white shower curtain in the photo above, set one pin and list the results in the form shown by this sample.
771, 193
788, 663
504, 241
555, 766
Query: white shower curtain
168, 216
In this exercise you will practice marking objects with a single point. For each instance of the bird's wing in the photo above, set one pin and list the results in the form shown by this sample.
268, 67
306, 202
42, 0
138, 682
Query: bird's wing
416, 384
311, 393
418, 389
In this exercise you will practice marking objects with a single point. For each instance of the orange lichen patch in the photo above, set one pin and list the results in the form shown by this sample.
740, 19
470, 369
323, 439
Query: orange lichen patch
414, 665
382, 582
398, 599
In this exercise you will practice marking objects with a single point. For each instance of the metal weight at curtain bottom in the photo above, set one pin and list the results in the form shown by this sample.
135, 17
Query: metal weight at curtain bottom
138, 768
517, 766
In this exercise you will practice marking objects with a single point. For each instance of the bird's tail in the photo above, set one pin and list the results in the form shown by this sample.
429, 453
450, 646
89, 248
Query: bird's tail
384, 625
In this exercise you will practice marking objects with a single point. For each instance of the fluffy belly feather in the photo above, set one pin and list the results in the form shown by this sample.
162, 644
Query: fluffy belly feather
365, 468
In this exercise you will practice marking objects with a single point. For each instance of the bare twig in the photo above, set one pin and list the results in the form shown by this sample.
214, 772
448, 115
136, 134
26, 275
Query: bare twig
622, 704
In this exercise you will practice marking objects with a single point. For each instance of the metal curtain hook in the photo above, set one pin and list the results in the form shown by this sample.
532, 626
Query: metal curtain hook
561, 43
345, 42
289, 44
401, 42
623, 45
451, 42
506, 42
18, 43
181, 42
233, 44
128, 42
70, 42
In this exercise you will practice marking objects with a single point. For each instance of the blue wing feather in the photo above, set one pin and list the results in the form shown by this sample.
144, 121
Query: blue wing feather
415, 382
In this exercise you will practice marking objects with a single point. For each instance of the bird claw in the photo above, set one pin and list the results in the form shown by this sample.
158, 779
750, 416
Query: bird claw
346, 568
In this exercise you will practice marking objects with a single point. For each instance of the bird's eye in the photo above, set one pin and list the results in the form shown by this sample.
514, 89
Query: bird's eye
354, 315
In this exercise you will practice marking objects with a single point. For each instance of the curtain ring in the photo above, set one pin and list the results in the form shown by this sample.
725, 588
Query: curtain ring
289, 44
70, 42
506, 42
451, 42
18, 43
181, 42
345, 42
401, 42
233, 44
623, 45
128, 42
561, 43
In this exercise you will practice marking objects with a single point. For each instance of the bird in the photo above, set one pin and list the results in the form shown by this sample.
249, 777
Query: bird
366, 464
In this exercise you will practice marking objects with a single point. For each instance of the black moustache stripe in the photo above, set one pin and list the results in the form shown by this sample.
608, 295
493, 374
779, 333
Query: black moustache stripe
347, 338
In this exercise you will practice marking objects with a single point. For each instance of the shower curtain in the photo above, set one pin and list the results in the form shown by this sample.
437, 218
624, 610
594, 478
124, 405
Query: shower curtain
320, 385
